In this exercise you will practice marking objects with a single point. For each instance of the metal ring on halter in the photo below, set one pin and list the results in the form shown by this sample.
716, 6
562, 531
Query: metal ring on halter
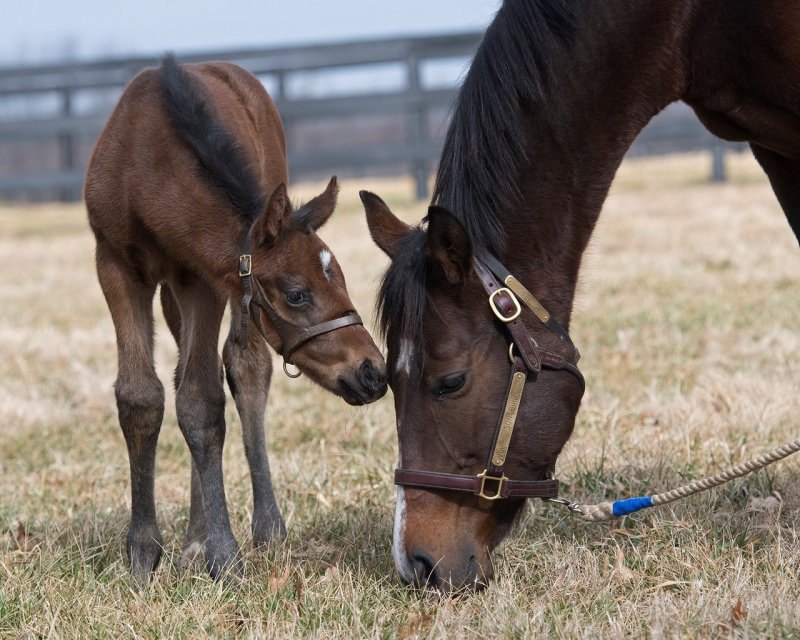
286, 371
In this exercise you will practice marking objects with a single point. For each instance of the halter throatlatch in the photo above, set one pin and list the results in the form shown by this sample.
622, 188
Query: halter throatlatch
292, 336
505, 294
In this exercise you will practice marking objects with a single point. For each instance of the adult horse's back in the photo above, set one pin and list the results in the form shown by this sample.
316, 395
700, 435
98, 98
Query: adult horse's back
476, 307
186, 189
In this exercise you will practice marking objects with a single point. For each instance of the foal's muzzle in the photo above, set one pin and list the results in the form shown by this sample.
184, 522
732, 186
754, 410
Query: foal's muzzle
365, 385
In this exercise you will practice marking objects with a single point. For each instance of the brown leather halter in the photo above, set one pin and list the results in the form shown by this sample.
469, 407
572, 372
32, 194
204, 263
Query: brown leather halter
529, 360
292, 336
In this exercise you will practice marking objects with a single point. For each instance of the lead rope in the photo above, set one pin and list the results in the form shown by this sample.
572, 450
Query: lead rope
619, 508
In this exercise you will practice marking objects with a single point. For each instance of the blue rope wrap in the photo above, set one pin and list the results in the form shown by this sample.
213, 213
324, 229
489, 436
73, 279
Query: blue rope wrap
631, 505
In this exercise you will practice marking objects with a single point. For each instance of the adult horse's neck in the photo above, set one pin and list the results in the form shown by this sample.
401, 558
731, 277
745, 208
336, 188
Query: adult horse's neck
608, 75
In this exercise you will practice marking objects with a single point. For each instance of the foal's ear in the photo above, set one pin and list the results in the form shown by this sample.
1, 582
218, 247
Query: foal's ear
314, 213
449, 244
274, 218
385, 228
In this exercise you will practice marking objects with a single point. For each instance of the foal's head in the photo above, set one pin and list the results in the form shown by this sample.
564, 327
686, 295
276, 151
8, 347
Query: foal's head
300, 286
449, 370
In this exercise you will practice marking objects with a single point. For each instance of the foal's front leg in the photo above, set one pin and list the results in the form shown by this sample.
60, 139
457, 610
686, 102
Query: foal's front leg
200, 404
249, 372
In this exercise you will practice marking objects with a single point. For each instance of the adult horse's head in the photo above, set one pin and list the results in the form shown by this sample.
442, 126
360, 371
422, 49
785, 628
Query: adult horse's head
454, 385
300, 291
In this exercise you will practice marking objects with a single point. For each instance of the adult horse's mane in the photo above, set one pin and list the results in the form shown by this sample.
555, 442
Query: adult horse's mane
222, 159
484, 146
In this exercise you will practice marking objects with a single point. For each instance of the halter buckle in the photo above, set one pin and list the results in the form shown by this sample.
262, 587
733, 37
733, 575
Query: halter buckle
498, 494
245, 265
517, 310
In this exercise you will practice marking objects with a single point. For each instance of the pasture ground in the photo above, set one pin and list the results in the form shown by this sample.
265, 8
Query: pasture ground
687, 318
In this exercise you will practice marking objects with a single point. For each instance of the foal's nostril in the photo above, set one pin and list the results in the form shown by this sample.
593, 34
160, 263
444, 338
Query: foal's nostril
371, 378
424, 569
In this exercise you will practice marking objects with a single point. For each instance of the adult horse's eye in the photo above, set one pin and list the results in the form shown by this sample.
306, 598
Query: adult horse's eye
296, 298
450, 384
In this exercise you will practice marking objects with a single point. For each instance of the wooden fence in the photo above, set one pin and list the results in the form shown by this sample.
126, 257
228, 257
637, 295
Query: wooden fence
355, 108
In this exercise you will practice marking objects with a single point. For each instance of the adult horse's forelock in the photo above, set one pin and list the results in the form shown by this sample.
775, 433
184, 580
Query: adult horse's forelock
404, 290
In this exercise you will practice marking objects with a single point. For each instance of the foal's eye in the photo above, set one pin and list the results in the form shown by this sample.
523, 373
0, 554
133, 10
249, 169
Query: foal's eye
450, 384
296, 298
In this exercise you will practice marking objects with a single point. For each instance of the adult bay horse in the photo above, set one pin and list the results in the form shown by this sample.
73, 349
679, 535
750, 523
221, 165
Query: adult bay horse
476, 306
178, 194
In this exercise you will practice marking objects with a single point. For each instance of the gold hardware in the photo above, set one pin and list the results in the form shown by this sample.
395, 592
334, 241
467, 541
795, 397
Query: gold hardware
527, 297
291, 375
495, 310
509, 418
245, 265
500, 482
511, 352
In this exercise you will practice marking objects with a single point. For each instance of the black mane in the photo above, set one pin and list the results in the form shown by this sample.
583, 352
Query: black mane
484, 146
217, 150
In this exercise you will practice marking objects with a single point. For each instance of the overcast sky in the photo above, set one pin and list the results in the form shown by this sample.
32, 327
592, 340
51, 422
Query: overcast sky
46, 30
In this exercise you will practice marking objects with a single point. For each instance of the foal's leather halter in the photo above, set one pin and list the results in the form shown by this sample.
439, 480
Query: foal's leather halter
529, 360
292, 336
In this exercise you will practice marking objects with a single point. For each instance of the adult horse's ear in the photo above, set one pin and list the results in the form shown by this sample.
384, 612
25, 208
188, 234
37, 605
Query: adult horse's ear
314, 213
449, 245
274, 218
385, 228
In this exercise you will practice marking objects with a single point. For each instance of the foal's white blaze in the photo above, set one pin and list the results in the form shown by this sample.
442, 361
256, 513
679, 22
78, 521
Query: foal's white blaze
325, 259
405, 357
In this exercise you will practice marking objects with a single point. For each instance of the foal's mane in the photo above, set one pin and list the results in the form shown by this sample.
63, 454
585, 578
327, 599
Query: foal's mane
225, 164
484, 146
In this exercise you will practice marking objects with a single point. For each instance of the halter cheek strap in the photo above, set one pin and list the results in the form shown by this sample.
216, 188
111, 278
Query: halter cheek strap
504, 301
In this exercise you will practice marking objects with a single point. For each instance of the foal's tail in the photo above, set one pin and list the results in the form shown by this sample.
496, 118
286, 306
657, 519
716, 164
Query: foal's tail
192, 113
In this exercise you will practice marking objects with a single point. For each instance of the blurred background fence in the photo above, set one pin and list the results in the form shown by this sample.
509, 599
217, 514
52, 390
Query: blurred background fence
362, 108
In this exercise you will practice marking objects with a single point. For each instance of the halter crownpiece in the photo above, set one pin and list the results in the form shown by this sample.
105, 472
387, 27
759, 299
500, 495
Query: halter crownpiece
504, 301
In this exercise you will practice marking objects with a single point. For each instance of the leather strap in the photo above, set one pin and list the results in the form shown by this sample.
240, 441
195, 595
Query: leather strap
472, 484
303, 334
530, 360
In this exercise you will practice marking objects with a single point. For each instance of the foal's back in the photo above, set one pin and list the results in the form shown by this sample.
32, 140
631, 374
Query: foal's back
146, 191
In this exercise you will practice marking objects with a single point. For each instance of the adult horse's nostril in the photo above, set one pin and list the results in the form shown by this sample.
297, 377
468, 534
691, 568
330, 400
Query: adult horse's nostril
424, 569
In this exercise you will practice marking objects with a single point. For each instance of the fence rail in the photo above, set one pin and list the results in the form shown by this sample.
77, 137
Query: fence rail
340, 113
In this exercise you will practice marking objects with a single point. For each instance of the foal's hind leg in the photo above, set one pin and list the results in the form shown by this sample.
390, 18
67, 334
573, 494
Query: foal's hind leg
140, 400
194, 545
249, 372
200, 405
784, 176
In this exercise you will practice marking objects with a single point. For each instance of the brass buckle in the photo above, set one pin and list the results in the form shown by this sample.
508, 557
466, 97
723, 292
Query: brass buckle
496, 311
481, 493
245, 265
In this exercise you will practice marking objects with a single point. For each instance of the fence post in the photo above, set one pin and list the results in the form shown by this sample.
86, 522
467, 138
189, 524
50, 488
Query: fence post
417, 123
67, 147
718, 173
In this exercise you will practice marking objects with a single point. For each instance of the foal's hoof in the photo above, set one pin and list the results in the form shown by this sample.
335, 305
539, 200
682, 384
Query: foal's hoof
224, 560
268, 533
144, 556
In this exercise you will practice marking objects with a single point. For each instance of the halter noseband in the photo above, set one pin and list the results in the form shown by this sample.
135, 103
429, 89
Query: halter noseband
530, 359
292, 336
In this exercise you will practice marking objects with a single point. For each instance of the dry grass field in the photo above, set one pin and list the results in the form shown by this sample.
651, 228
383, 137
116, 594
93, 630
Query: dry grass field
687, 317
